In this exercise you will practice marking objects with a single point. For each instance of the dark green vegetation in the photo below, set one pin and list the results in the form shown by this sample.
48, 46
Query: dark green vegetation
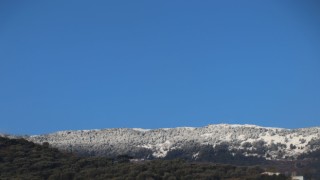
21, 159
309, 165
218, 154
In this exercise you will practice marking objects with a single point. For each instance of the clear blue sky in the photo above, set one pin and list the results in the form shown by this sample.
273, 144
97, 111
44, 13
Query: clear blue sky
151, 64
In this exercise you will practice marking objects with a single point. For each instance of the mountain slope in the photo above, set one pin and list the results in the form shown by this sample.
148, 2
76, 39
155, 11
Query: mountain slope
249, 140
21, 159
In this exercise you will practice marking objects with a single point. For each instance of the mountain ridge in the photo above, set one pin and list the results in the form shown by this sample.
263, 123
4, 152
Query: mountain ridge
247, 140
178, 127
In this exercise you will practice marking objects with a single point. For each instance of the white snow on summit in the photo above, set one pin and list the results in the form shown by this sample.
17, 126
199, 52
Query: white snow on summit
279, 142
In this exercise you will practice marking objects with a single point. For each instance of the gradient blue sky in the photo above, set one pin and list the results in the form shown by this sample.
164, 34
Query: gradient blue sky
151, 64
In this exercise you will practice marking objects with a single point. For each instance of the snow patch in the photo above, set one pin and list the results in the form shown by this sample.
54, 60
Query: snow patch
140, 129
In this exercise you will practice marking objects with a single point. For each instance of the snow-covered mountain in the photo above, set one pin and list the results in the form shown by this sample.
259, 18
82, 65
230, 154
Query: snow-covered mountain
249, 140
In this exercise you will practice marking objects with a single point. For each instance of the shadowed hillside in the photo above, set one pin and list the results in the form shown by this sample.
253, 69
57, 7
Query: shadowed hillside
21, 159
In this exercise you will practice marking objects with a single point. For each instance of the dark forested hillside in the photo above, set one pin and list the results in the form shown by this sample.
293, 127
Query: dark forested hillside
21, 159
309, 164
